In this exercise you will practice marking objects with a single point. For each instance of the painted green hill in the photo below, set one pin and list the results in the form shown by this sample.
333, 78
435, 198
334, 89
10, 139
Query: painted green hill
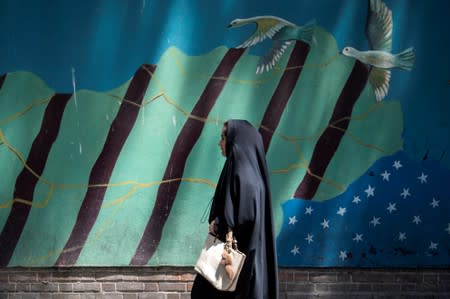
175, 87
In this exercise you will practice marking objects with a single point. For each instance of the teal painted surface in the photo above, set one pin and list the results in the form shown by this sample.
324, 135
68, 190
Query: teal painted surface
126, 209
21, 112
85, 125
174, 89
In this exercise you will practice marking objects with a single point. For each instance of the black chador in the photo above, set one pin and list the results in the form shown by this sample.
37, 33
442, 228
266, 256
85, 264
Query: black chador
242, 202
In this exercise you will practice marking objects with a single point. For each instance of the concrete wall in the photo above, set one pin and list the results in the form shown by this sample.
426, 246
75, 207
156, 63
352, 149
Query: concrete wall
175, 283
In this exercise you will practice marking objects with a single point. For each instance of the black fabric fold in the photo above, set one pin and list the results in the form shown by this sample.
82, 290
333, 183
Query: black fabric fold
242, 202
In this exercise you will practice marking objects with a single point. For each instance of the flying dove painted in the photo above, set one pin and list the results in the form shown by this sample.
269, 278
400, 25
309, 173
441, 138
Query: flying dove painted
280, 31
380, 58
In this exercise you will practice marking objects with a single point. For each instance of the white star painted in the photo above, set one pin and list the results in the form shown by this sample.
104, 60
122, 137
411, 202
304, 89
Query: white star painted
375, 221
370, 191
386, 175
434, 203
358, 238
397, 165
295, 250
293, 220
448, 228
433, 245
405, 193
343, 255
391, 208
326, 224
423, 178
417, 220
356, 199
309, 210
341, 211
402, 236
309, 238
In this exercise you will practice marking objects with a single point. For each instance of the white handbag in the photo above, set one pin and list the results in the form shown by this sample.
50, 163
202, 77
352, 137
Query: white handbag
208, 264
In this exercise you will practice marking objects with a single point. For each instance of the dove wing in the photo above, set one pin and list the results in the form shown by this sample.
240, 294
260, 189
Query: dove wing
267, 61
379, 79
379, 26
265, 28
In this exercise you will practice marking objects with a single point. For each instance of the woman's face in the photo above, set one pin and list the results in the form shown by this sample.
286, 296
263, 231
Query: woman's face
223, 141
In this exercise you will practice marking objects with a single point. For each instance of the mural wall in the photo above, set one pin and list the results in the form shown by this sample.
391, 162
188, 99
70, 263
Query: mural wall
111, 113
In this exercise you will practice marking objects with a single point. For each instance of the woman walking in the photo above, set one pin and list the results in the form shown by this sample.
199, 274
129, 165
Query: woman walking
242, 204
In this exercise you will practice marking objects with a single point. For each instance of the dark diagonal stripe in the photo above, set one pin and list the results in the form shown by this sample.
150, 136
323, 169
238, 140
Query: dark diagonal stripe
283, 92
2, 80
329, 141
183, 145
26, 181
103, 167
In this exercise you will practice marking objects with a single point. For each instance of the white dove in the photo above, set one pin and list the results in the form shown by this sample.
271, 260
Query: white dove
281, 32
380, 58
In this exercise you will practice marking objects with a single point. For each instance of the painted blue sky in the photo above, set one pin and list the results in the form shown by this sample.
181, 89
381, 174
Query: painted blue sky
102, 42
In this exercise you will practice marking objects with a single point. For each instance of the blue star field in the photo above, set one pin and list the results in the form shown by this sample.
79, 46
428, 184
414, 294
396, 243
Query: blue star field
396, 214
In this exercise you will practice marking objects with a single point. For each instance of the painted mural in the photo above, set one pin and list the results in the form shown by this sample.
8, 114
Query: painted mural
116, 166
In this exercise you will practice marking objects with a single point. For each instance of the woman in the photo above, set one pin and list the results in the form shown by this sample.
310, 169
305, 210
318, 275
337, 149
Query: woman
242, 203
